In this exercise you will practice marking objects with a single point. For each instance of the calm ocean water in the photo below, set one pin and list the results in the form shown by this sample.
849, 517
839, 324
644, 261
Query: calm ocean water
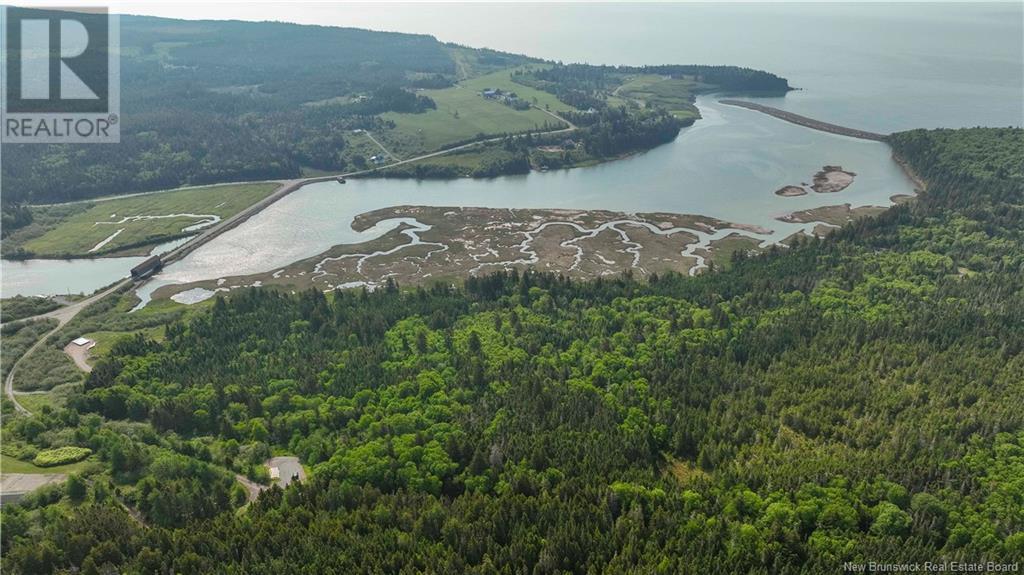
878, 66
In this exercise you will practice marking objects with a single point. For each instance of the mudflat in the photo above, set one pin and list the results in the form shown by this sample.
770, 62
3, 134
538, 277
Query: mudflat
791, 191
832, 179
447, 243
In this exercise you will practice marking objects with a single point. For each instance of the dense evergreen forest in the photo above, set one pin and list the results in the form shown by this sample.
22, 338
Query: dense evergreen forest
856, 398
575, 84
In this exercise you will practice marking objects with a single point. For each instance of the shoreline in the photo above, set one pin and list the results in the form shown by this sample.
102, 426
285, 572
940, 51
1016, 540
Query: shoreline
919, 184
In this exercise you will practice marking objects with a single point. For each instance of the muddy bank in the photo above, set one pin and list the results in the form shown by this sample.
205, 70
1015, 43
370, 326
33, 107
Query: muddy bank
919, 185
429, 244
832, 179
828, 180
791, 191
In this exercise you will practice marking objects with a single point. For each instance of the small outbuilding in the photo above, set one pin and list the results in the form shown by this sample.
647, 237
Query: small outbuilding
83, 342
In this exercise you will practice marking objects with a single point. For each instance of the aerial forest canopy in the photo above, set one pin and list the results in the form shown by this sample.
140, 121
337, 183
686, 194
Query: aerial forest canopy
527, 423
208, 101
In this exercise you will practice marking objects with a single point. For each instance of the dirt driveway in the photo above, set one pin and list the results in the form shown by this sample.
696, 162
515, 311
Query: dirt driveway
79, 353
14, 486
290, 467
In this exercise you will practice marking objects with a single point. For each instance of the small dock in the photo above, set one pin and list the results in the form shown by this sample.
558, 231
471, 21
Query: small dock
805, 121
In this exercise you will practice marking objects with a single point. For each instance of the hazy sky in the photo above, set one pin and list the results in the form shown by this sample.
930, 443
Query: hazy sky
396, 16
473, 23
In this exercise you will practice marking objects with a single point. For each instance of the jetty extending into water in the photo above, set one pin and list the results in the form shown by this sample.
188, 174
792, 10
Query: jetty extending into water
805, 121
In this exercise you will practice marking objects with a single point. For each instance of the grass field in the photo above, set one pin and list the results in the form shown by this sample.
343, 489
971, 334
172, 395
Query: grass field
673, 94
106, 339
9, 464
80, 232
54, 398
465, 161
722, 250
462, 114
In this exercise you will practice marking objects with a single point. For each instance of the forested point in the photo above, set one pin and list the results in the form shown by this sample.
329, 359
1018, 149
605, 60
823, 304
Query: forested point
856, 398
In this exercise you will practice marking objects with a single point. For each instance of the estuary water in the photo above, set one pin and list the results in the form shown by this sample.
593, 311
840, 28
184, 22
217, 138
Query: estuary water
879, 67
728, 166
78, 276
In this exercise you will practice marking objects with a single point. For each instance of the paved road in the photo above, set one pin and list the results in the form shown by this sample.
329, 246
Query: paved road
252, 489
14, 486
289, 467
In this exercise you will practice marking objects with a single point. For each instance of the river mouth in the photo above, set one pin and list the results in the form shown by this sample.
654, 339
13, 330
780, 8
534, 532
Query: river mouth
726, 166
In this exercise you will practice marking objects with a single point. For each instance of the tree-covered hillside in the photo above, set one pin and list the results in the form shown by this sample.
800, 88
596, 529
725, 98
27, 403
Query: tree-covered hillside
856, 398
215, 101
226, 101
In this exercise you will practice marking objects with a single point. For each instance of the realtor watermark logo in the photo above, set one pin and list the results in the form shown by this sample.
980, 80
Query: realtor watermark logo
931, 567
61, 76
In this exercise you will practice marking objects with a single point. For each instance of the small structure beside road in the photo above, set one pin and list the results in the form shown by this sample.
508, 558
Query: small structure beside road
83, 342
285, 469
78, 351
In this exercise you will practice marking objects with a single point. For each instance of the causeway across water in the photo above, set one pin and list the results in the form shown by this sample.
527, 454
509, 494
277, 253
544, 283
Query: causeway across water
806, 122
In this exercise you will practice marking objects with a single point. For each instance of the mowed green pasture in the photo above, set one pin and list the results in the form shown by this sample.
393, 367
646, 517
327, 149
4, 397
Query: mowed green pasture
12, 465
105, 340
463, 114
672, 94
80, 232
54, 398
465, 160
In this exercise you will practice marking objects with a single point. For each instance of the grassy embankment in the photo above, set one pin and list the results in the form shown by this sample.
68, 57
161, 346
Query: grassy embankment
75, 230
12, 465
